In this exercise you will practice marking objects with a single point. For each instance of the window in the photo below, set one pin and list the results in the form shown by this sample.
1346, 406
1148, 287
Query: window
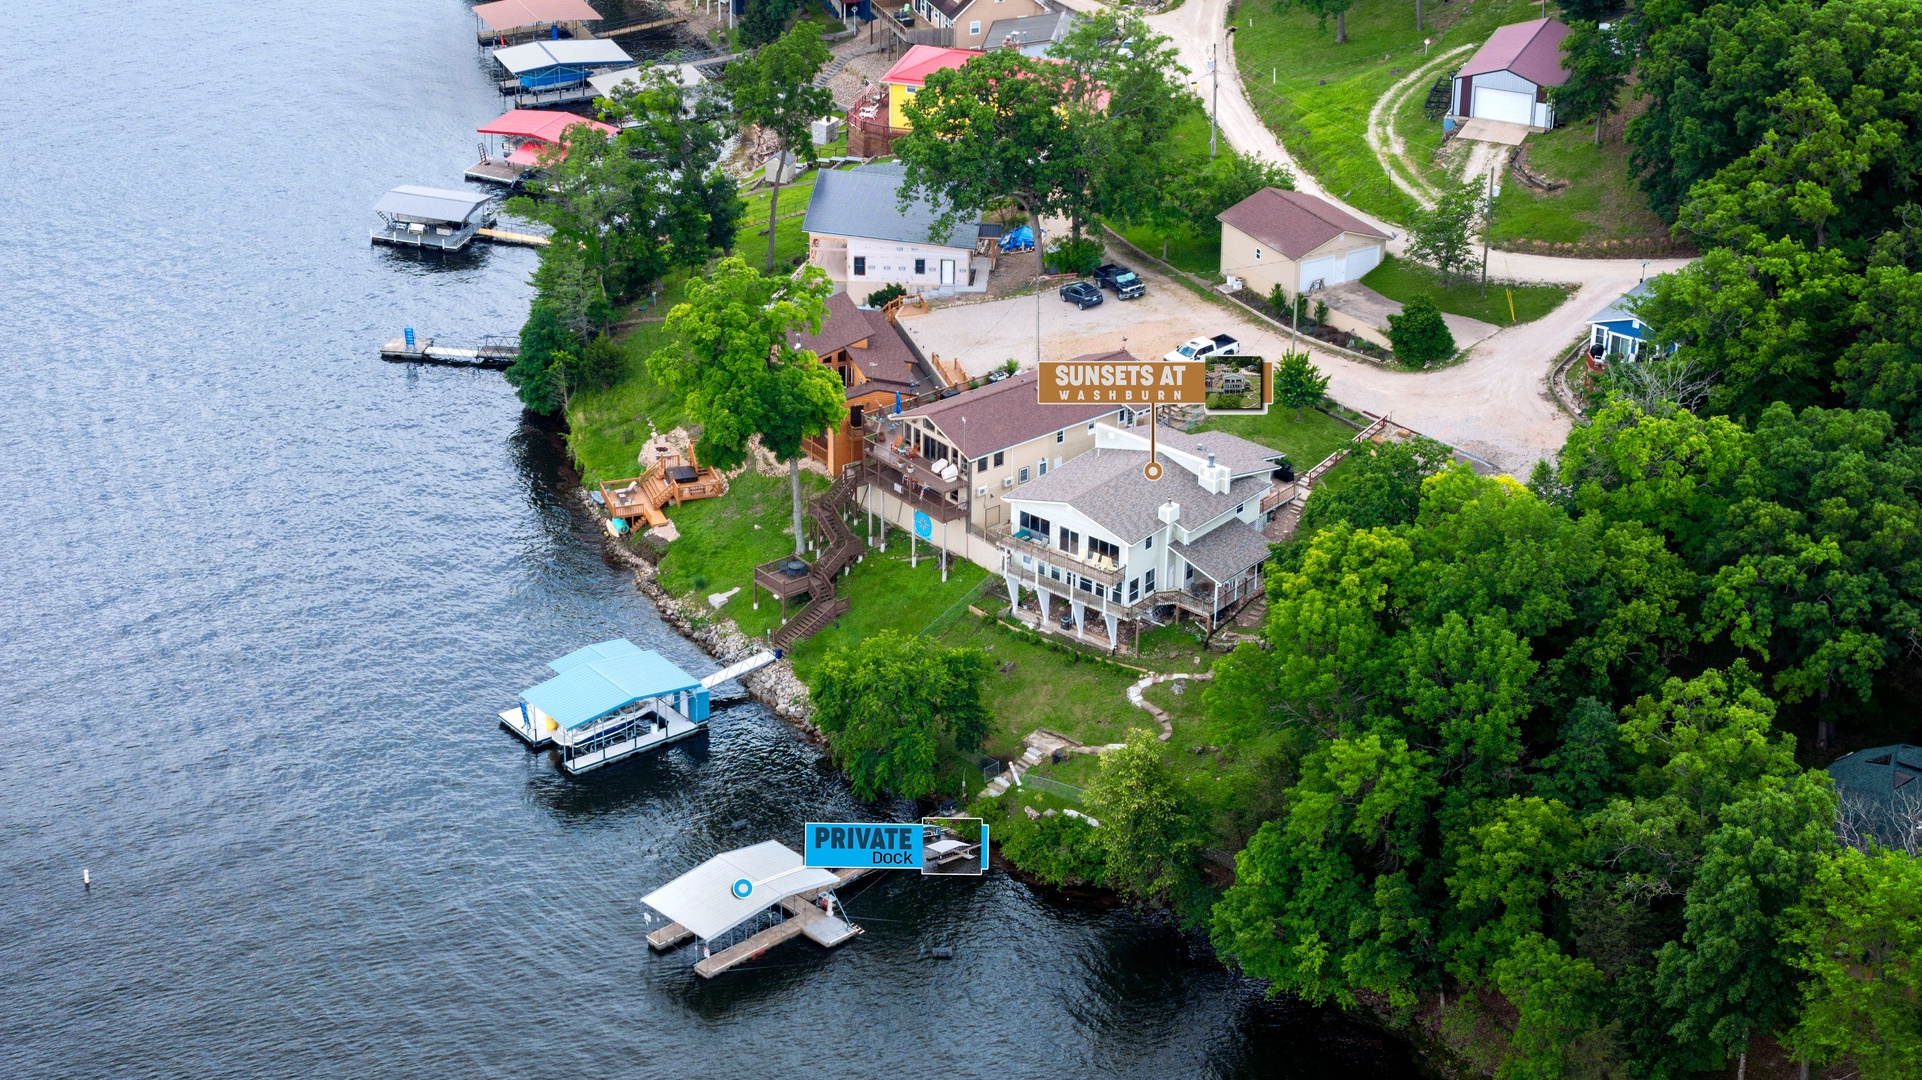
1240, 508
854, 416
1257, 254
1035, 524
1043, 468
1148, 580
920, 266
1061, 436
1091, 427
860, 266
1024, 474
1054, 572
974, 28
997, 459
1134, 590
1098, 546
981, 466
1151, 540
1085, 584
1070, 541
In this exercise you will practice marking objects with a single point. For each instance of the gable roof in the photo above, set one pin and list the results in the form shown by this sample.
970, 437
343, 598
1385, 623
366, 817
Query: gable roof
541, 55
514, 14
863, 202
1530, 49
1618, 309
887, 360
547, 125
600, 679
1031, 30
1225, 551
1003, 414
705, 901
922, 61
1107, 487
413, 202
1293, 223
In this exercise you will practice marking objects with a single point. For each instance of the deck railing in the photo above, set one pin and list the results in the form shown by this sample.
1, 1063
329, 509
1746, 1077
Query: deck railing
1018, 541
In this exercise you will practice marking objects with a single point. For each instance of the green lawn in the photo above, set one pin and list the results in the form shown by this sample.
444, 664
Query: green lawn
606, 428
885, 593
1320, 108
1602, 205
1198, 252
1306, 442
720, 545
1086, 702
1402, 280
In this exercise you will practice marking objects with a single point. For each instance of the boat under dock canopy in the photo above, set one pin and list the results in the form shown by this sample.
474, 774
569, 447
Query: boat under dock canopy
549, 64
419, 216
514, 20
741, 903
608, 701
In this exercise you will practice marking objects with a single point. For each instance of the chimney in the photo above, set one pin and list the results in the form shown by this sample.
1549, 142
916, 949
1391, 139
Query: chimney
1169, 512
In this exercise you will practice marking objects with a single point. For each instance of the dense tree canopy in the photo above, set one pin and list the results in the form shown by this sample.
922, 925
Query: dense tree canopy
886, 703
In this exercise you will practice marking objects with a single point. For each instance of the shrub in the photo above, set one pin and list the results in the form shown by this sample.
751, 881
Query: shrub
1079, 257
880, 297
600, 365
1419, 334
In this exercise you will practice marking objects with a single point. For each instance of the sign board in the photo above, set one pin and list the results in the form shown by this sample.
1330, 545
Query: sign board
1123, 381
888, 845
1240, 385
934, 846
923, 525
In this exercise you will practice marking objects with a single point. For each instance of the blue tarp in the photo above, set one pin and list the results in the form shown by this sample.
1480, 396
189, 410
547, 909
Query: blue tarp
611, 675
1021, 239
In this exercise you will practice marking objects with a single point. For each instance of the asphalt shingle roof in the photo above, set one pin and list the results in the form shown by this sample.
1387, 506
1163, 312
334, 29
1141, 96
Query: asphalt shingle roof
1003, 414
1292, 223
863, 202
1107, 487
1225, 552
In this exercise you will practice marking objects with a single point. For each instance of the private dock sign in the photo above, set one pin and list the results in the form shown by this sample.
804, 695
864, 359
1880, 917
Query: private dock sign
1123, 380
839, 845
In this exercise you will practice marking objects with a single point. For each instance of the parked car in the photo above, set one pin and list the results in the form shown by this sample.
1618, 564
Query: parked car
1202, 348
1127, 284
1082, 294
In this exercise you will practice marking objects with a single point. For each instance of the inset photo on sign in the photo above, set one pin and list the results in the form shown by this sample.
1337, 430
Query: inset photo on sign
954, 846
1240, 385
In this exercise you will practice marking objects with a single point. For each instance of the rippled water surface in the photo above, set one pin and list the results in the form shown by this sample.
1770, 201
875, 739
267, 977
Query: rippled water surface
262, 594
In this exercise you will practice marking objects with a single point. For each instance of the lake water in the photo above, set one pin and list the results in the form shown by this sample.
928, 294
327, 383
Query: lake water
263, 595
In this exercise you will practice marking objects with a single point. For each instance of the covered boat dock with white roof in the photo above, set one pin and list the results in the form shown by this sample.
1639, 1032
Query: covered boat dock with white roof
419, 216
741, 903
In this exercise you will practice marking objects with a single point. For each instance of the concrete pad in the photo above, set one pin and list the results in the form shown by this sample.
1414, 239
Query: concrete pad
1354, 298
1495, 131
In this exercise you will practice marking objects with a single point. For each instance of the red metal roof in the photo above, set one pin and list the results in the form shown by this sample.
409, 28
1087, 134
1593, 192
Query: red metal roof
547, 125
1531, 49
512, 14
924, 60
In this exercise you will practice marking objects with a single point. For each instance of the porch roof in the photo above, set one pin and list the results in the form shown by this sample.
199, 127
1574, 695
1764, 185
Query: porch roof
705, 901
1226, 552
601, 678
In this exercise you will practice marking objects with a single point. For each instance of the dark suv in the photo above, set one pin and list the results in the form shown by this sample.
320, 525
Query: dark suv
1081, 294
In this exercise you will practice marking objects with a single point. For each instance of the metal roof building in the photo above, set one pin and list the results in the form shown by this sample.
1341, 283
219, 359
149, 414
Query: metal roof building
1880, 795
430, 206
864, 202
709, 900
560, 63
607, 701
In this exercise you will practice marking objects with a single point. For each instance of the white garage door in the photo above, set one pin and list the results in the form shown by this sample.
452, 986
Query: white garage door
1360, 262
1318, 272
1492, 104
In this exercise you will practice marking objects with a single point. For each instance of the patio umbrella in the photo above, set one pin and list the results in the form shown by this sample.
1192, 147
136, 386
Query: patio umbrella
897, 403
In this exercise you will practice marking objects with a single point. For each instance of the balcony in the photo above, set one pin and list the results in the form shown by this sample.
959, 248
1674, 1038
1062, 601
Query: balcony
1019, 541
912, 468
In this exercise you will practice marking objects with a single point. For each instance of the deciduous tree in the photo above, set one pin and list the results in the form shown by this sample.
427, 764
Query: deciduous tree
1148, 834
774, 90
739, 372
1443, 236
1597, 64
1419, 334
1856, 938
885, 703
1299, 383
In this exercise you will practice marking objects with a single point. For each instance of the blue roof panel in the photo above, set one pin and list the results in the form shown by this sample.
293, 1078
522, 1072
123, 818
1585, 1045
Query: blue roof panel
589, 689
600, 650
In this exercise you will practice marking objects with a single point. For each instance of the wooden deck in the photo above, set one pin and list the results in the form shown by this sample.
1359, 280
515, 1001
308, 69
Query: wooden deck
493, 172
666, 484
671, 936
518, 239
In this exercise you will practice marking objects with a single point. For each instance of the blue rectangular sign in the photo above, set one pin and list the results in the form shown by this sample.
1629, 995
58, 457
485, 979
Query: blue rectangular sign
884, 845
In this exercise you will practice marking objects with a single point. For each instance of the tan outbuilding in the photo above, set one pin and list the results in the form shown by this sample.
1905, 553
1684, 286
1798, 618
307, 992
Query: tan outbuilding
1297, 241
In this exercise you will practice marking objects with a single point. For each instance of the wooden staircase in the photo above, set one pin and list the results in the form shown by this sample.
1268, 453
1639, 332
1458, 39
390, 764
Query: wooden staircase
840, 547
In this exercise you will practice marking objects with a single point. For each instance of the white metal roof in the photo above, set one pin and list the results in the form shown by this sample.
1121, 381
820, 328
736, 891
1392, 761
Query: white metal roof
537, 55
943, 847
412, 202
606, 83
703, 899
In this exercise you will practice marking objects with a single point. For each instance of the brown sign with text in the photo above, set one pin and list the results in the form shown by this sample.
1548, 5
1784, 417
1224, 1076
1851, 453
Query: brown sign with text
1124, 381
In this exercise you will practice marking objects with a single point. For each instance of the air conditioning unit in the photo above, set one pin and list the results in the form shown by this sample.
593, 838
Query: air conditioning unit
980, 493
1007, 481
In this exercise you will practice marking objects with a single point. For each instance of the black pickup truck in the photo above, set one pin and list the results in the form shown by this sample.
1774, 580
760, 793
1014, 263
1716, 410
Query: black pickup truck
1127, 284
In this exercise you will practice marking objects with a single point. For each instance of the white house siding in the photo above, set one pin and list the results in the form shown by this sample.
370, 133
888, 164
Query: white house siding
1261, 267
1499, 105
890, 263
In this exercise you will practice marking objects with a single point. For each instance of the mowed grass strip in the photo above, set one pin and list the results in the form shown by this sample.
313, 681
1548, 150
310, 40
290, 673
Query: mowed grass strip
1402, 280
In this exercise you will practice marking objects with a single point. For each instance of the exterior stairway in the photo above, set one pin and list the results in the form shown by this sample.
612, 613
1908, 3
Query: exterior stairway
839, 548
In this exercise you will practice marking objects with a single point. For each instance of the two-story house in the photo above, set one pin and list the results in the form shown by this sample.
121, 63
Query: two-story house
968, 20
1100, 537
955, 464
876, 366
861, 236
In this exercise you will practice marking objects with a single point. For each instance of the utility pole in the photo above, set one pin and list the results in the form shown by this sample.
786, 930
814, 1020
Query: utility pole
1216, 107
1488, 225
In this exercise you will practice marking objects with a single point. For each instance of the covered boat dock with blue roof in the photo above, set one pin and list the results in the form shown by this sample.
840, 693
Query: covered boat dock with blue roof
608, 701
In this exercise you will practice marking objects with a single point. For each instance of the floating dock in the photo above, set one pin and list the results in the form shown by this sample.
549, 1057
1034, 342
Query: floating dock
609, 701
520, 239
494, 172
741, 903
493, 356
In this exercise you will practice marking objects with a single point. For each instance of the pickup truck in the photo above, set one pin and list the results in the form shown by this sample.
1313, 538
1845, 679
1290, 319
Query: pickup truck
1202, 348
1127, 284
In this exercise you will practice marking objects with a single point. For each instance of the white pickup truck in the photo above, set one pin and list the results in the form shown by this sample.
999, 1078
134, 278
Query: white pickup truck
1202, 348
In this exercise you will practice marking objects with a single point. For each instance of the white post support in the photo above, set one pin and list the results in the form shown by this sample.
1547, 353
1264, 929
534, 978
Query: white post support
1014, 590
1113, 641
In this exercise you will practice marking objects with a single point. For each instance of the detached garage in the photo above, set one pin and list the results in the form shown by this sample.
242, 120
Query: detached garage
1297, 241
1507, 80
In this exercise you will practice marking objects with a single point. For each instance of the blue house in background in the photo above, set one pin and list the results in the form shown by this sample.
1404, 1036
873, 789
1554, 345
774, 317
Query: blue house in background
1880, 795
1615, 330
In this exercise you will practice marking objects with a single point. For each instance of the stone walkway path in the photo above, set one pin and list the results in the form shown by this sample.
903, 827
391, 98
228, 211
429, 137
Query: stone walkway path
1161, 716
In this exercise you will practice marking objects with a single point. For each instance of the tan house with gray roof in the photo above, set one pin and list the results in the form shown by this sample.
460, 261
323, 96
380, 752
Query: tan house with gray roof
1097, 538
